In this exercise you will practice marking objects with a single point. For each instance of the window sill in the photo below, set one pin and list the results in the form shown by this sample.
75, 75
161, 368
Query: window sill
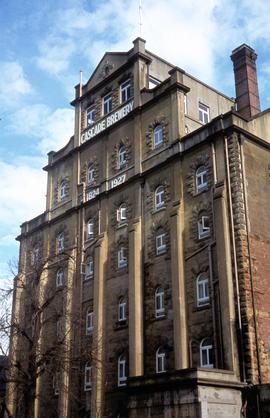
201, 308
121, 325
161, 209
121, 225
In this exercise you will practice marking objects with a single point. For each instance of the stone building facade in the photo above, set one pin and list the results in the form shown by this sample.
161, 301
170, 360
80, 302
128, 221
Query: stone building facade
148, 269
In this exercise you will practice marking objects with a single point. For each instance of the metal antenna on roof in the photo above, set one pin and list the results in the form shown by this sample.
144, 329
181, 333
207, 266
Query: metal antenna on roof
140, 17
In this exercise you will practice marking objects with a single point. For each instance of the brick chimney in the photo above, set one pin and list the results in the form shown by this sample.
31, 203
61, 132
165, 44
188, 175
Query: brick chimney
246, 86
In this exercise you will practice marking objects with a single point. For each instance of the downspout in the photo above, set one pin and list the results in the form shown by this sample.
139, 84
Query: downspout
235, 261
241, 140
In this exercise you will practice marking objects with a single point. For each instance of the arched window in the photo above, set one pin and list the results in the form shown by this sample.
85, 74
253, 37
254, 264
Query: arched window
122, 213
63, 189
91, 174
159, 197
122, 370
89, 321
60, 242
122, 156
87, 377
202, 290
160, 360
203, 227
160, 243
59, 277
206, 353
90, 229
158, 136
122, 309
201, 178
89, 268
159, 302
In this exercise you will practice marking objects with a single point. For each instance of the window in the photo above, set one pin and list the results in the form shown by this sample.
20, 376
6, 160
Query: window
202, 290
153, 82
122, 156
90, 229
90, 115
159, 197
125, 91
107, 104
203, 227
60, 329
87, 377
158, 136
89, 322
201, 178
160, 360
89, 268
56, 379
60, 242
122, 307
204, 113
59, 277
63, 189
206, 353
160, 243
122, 213
35, 255
159, 302
122, 372
91, 174
122, 257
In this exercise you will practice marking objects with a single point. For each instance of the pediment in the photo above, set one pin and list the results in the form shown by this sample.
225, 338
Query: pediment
110, 62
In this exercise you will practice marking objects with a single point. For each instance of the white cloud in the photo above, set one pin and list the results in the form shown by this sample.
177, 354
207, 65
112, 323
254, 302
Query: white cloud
52, 129
13, 83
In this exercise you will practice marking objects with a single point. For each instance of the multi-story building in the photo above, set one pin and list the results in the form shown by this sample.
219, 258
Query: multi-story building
142, 289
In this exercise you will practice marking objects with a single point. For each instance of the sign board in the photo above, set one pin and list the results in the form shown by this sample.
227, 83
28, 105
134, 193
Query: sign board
98, 127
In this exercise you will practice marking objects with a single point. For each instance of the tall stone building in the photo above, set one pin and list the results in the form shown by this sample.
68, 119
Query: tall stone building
142, 289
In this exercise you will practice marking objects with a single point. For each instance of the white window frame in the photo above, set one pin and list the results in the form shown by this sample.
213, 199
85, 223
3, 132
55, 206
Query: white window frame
89, 268
206, 347
122, 156
161, 243
59, 281
158, 136
203, 227
56, 383
121, 257
159, 302
202, 285
89, 322
122, 213
160, 361
204, 113
122, 370
60, 242
122, 310
160, 197
63, 189
90, 115
125, 91
87, 378
91, 174
107, 104
201, 178
90, 229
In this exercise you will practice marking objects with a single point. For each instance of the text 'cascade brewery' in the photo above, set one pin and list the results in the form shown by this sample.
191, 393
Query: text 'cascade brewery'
106, 123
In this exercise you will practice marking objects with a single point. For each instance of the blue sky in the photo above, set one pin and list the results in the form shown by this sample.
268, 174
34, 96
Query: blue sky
45, 43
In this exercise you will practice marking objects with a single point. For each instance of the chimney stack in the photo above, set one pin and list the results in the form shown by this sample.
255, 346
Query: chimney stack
246, 86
